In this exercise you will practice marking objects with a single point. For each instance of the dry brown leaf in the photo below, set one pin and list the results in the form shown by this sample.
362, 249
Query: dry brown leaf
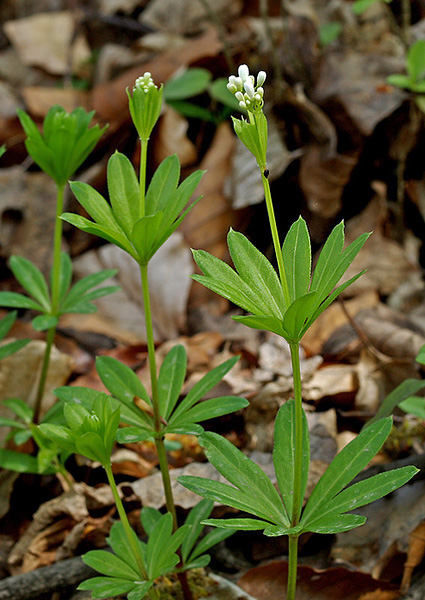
323, 179
27, 212
171, 138
335, 383
39, 99
269, 581
19, 376
207, 225
415, 555
169, 272
44, 40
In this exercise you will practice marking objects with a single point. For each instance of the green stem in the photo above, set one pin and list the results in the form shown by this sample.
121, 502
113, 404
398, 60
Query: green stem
142, 176
298, 466
135, 548
55, 287
275, 236
292, 567
43, 376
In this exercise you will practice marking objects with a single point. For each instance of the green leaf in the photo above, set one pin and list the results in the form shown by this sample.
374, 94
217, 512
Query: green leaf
14, 300
85, 284
420, 358
163, 184
296, 252
91, 445
191, 83
263, 322
119, 239
238, 524
335, 523
124, 191
329, 32
109, 564
118, 541
398, 80
106, 587
12, 347
359, 6
257, 272
284, 453
161, 547
211, 409
218, 90
362, 493
60, 435
212, 538
31, 279
415, 405
140, 590
4, 422
171, 379
131, 435
6, 323
407, 388
204, 385
345, 466
120, 380
18, 462
65, 275
149, 517
297, 316
43, 322
188, 109
253, 136
416, 61
20, 408
224, 494
223, 280
242, 472
96, 206
144, 236
198, 513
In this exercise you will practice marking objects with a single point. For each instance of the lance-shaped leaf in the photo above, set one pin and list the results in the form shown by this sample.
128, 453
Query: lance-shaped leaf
124, 191
344, 467
296, 251
284, 453
171, 378
31, 279
163, 185
357, 495
243, 473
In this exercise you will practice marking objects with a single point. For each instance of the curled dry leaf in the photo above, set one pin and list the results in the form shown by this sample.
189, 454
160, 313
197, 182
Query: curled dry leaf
171, 138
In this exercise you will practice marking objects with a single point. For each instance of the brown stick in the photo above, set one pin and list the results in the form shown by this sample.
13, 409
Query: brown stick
59, 576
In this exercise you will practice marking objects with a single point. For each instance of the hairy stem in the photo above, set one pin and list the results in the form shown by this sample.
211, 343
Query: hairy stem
276, 241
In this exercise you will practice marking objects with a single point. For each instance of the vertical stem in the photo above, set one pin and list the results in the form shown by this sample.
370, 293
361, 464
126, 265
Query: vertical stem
142, 176
55, 301
297, 491
292, 568
275, 236
127, 527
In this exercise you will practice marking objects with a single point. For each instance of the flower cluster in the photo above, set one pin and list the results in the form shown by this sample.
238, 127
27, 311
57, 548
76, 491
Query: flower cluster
145, 104
246, 90
145, 82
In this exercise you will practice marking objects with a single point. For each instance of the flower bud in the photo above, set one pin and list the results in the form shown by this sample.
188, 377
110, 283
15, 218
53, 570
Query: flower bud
261, 78
249, 89
243, 73
145, 105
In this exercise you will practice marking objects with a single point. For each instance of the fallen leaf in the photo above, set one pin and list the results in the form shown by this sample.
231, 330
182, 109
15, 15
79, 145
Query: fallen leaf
169, 283
45, 40
269, 581
27, 213
171, 138
39, 99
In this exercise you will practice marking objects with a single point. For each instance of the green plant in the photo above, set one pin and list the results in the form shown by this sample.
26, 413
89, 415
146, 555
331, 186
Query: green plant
65, 143
139, 221
286, 303
360, 6
6, 325
414, 81
180, 90
404, 397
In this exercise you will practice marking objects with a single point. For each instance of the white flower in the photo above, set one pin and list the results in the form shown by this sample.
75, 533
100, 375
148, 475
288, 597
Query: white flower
249, 89
261, 78
243, 72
